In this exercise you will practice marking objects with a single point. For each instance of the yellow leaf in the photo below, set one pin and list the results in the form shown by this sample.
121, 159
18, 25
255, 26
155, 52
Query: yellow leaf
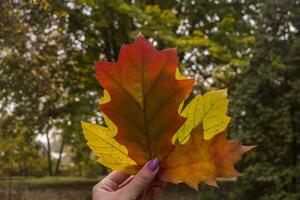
210, 110
179, 76
111, 154
110, 125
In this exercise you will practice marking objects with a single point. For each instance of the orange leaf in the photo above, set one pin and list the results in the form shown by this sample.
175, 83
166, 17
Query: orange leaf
145, 96
202, 160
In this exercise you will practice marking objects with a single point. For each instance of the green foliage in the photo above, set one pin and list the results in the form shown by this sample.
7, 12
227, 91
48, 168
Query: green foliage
47, 84
266, 104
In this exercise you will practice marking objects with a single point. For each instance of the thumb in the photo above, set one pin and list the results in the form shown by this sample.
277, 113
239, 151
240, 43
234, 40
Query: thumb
141, 180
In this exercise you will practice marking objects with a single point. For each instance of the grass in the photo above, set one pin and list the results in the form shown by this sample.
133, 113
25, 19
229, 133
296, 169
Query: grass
79, 188
49, 180
47, 188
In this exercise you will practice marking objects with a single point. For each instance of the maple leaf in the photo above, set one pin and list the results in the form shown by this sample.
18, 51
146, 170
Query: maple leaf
143, 98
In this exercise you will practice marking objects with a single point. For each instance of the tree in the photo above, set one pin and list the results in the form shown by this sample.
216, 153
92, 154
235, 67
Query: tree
50, 73
266, 105
47, 53
213, 43
36, 79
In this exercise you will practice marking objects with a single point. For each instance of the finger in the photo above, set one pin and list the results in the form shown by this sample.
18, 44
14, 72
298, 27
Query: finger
126, 181
111, 182
141, 180
156, 191
117, 177
159, 183
157, 187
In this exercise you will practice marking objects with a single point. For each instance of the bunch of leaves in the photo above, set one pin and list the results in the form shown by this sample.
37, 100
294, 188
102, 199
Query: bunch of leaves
145, 118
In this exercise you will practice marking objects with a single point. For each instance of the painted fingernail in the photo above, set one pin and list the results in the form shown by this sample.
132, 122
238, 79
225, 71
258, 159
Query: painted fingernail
153, 164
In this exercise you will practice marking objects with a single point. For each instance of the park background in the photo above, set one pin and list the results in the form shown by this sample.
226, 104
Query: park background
48, 85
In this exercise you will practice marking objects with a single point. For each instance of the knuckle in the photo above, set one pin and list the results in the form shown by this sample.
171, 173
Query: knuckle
142, 178
94, 188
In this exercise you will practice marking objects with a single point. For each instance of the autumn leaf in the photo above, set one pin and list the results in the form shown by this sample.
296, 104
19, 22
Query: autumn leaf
210, 110
201, 160
110, 152
145, 96
142, 109
100, 139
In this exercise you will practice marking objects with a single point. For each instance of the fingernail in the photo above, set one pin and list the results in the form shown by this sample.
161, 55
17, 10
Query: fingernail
153, 164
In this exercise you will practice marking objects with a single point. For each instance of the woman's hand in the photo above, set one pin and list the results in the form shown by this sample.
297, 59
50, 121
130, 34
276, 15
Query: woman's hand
118, 186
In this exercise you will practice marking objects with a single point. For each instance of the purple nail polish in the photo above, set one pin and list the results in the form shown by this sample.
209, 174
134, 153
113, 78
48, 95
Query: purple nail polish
153, 164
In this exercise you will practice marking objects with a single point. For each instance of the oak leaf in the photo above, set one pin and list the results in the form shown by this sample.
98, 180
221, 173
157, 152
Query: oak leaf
142, 109
210, 110
201, 160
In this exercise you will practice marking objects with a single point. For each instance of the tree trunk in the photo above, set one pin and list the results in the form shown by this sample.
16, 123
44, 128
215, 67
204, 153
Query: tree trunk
49, 155
294, 147
79, 169
56, 172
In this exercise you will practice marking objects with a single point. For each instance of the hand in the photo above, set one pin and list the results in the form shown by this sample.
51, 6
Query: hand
118, 186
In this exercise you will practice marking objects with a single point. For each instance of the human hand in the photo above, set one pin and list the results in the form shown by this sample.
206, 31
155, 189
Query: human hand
118, 186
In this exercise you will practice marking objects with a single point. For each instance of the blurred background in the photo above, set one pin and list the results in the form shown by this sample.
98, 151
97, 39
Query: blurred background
48, 85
